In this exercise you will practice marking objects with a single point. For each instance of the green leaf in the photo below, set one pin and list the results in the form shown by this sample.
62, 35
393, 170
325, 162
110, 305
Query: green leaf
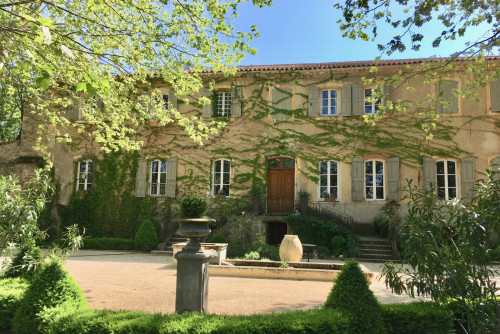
81, 87
42, 82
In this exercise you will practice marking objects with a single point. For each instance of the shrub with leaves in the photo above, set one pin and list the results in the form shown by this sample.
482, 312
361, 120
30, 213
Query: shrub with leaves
52, 286
193, 207
146, 238
25, 263
252, 256
266, 251
351, 293
339, 245
218, 238
446, 247
11, 293
313, 230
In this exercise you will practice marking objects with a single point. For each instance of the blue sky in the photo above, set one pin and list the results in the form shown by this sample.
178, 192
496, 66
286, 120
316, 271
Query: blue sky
305, 31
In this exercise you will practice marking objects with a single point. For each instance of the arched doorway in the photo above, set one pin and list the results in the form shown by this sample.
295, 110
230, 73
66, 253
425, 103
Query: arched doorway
280, 185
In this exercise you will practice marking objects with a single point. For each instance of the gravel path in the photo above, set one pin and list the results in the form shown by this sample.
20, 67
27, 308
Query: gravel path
143, 282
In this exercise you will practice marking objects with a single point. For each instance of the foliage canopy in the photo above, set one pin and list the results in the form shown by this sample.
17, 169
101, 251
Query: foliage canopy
61, 54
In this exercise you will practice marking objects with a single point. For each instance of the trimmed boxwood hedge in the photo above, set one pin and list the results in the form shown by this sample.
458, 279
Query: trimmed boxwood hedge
420, 317
108, 243
11, 293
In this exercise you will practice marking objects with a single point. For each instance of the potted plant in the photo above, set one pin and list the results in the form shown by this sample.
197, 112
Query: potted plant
328, 197
304, 199
256, 197
192, 224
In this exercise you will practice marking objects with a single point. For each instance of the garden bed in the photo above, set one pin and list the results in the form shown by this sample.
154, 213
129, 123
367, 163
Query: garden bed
311, 271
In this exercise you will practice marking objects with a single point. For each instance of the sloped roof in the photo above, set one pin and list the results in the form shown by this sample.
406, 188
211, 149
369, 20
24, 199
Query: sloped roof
339, 65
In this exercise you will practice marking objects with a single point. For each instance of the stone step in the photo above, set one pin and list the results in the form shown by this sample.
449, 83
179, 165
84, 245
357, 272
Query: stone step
381, 257
376, 251
375, 246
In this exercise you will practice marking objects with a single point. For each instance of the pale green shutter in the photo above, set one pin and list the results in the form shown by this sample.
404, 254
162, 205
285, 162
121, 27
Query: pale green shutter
140, 178
345, 100
99, 104
313, 101
172, 99
74, 109
357, 179
206, 111
429, 173
236, 102
446, 89
467, 174
358, 100
393, 182
495, 166
282, 99
171, 177
495, 95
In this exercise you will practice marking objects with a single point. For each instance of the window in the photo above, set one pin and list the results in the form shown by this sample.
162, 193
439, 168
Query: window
224, 104
446, 179
220, 177
165, 100
158, 178
329, 180
84, 175
374, 180
329, 103
372, 103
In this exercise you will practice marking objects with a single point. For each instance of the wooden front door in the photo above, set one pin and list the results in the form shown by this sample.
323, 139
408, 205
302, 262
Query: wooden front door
280, 185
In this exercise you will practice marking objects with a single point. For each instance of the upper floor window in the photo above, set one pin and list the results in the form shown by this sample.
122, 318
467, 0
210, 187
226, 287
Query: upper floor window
158, 178
447, 101
329, 102
374, 180
329, 180
446, 179
221, 177
84, 175
165, 100
224, 100
372, 103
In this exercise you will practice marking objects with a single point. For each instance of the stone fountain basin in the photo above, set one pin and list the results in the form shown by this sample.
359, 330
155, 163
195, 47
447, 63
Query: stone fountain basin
309, 271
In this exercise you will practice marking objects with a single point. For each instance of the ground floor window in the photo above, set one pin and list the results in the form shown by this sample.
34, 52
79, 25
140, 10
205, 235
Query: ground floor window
446, 179
158, 178
221, 177
328, 180
374, 180
84, 175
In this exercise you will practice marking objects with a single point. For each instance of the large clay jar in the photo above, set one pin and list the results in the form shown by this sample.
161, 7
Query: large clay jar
291, 248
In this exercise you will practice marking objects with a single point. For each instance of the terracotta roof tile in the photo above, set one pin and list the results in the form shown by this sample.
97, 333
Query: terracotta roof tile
338, 65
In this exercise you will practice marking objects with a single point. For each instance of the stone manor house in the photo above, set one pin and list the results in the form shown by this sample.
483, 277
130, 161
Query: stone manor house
301, 127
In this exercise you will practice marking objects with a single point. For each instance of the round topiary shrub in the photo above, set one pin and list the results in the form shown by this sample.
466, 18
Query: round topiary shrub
193, 207
218, 238
146, 238
51, 287
25, 263
338, 245
352, 294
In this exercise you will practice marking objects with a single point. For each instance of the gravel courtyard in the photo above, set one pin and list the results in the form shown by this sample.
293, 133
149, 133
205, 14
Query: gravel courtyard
118, 280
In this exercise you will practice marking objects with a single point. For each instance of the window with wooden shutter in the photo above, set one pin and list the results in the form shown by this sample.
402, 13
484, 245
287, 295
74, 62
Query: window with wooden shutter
171, 177
206, 110
357, 99
236, 103
467, 175
313, 101
495, 96
393, 181
158, 178
357, 179
495, 167
446, 179
346, 100
140, 178
444, 92
429, 168
374, 180
329, 180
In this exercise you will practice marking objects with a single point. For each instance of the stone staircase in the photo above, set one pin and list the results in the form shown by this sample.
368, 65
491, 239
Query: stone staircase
376, 249
175, 239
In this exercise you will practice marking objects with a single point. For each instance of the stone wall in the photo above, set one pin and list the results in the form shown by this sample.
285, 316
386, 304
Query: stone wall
12, 163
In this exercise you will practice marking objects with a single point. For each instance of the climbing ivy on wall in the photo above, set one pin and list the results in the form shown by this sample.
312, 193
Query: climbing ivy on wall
110, 209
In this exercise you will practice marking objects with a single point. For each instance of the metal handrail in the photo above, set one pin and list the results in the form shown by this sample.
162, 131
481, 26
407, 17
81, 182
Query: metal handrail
323, 212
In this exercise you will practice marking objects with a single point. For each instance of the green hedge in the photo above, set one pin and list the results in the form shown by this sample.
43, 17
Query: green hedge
416, 318
399, 318
313, 230
108, 243
11, 293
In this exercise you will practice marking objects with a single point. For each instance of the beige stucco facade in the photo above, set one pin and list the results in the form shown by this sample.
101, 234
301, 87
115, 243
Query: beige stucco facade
266, 130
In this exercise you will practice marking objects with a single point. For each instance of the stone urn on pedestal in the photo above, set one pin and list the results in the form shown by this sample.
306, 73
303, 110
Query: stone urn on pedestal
192, 261
291, 248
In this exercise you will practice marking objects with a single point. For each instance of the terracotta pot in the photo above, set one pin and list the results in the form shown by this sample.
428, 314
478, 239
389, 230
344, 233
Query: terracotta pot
291, 248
